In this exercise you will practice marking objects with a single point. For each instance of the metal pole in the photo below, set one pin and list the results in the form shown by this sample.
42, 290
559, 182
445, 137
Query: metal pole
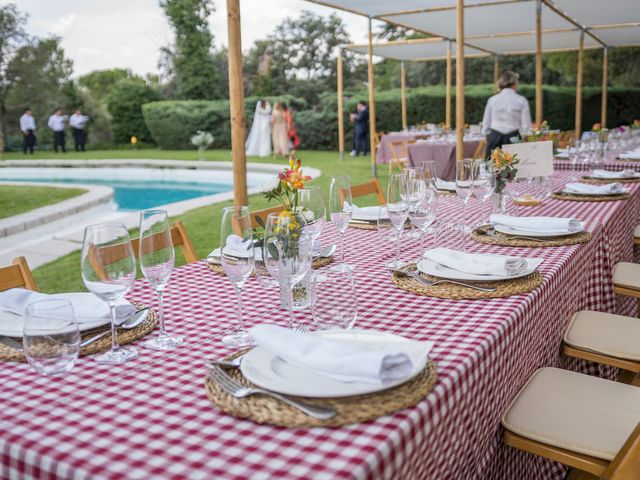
460, 81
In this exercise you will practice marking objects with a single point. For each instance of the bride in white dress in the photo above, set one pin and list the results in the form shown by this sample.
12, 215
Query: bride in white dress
259, 139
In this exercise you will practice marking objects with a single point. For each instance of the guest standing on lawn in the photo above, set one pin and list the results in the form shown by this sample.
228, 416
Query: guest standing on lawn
361, 121
57, 123
292, 135
506, 114
78, 123
279, 132
28, 127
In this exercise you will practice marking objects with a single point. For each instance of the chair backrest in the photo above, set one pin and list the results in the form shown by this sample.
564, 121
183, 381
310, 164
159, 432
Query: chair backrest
479, 153
17, 275
399, 150
372, 187
259, 217
624, 465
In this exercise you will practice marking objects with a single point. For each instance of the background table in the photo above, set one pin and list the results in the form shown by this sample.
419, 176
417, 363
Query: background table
443, 153
151, 419
561, 164
383, 154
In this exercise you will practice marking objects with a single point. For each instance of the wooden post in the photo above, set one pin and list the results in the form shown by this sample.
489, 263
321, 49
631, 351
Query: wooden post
539, 62
403, 94
447, 95
372, 106
460, 81
236, 104
496, 72
340, 107
579, 86
605, 79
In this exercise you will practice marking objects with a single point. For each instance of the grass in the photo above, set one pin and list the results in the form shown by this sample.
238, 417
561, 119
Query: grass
15, 200
203, 223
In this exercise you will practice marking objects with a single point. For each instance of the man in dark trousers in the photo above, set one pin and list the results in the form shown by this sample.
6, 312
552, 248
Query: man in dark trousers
78, 123
28, 127
361, 120
58, 123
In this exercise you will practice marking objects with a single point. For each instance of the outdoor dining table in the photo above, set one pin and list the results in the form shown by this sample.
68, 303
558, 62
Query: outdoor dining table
383, 154
443, 153
151, 418
616, 164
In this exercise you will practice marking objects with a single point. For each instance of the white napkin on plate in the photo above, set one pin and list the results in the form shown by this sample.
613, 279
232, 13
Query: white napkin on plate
635, 155
477, 263
87, 307
444, 185
257, 252
628, 173
583, 188
368, 213
341, 361
564, 154
537, 224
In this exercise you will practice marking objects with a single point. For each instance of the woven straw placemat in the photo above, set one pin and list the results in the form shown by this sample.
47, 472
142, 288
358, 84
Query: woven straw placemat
372, 225
487, 234
9, 354
356, 409
317, 263
504, 288
599, 181
589, 198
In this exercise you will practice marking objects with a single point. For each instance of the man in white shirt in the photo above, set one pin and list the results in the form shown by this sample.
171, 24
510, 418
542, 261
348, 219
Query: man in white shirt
506, 115
28, 128
57, 123
78, 122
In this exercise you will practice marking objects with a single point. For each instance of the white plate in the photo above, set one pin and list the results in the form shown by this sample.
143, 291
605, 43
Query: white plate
269, 371
437, 270
11, 324
367, 214
581, 194
536, 234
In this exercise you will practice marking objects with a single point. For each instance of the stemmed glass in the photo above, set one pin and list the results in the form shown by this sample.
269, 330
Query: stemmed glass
398, 209
237, 257
573, 153
157, 259
464, 186
483, 185
422, 216
313, 211
341, 209
108, 271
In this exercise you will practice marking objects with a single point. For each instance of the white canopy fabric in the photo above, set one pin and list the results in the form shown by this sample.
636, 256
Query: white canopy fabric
415, 50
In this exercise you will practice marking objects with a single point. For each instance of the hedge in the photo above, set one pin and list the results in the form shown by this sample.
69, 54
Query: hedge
172, 123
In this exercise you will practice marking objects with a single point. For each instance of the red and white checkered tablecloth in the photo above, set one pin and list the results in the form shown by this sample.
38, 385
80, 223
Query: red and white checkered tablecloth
151, 418
615, 165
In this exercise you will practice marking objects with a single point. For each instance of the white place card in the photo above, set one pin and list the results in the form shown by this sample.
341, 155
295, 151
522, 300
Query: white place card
536, 158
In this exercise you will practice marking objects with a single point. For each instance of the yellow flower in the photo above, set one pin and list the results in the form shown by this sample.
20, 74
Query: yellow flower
134, 139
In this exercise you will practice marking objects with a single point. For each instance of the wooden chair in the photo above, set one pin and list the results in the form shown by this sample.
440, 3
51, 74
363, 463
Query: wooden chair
399, 153
372, 187
581, 421
259, 217
377, 138
17, 275
479, 152
626, 280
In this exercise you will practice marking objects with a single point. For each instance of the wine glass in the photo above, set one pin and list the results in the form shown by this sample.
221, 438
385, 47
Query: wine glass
341, 209
429, 174
108, 271
464, 186
398, 209
313, 211
573, 153
237, 257
336, 304
157, 259
422, 216
483, 185
416, 191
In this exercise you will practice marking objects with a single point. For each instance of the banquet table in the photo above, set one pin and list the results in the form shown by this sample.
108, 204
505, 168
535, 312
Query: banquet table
383, 154
443, 153
563, 164
150, 418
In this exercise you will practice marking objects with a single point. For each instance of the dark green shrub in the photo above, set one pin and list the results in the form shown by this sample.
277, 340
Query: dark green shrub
124, 103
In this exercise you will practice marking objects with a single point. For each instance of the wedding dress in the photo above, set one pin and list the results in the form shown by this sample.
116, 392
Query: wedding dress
259, 139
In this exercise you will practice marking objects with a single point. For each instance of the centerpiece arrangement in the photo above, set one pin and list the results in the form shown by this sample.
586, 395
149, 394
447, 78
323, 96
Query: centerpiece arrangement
202, 140
504, 166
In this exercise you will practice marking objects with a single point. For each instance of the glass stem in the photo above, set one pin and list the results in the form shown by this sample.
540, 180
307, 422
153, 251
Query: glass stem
115, 346
291, 300
398, 235
240, 308
464, 214
160, 291
342, 247
482, 210
421, 243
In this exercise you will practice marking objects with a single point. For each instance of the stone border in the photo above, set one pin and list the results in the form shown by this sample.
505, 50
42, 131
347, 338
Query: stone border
95, 195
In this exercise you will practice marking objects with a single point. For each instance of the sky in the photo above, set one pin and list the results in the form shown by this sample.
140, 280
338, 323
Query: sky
102, 34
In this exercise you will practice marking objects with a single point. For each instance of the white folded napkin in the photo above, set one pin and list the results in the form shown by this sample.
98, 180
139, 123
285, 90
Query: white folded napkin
564, 154
537, 224
257, 251
368, 213
585, 189
607, 174
477, 263
635, 155
236, 246
444, 185
375, 363
86, 306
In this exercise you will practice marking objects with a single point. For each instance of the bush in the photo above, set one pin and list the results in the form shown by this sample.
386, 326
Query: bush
124, 103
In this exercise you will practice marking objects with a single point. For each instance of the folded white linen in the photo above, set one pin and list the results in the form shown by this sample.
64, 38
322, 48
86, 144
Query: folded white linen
257, 251
368, 213
563, 155
585, 189
86, 306
444, 185
537, 224
635, 155
477, 263
375, 363
607, 174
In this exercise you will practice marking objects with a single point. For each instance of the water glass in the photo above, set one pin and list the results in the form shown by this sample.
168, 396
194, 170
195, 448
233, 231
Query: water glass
386, 230
430, 177
336, 305
483, 185
398, 210
422, 216
50, 336
465, 170
313, 211
340, 209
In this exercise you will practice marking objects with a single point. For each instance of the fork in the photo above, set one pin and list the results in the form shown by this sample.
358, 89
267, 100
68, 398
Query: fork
237, 390
420, 279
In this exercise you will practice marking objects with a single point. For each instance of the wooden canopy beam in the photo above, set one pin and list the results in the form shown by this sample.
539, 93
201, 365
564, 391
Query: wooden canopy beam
460, 80
496, 72
579, 86
539, 62
403, 94
447, 94
372, 106
340, 106
605, 81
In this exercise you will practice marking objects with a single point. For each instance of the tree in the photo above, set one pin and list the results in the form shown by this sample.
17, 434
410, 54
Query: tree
100, 82
125, 106
189, 62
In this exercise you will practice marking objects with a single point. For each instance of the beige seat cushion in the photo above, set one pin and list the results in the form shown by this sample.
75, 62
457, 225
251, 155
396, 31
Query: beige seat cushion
626, 274
636, 232
606, 333
576, 412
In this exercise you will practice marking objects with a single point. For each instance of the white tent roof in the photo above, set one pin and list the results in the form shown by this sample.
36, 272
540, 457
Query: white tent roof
415, 50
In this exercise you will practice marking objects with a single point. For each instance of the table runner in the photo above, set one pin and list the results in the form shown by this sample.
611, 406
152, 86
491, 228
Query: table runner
150, 418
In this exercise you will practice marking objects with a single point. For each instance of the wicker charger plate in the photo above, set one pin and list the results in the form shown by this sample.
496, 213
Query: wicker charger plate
589, 198
487, 234
599, 181
371, 225
317, 263
356, 409
504, 288
8, 354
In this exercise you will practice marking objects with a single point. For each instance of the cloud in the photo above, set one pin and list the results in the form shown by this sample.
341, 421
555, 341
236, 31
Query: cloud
59, 26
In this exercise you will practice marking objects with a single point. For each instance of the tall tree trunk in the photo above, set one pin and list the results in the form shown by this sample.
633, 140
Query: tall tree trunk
2, 127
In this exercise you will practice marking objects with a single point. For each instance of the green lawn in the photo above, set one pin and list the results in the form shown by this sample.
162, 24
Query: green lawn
15, 200
202, 223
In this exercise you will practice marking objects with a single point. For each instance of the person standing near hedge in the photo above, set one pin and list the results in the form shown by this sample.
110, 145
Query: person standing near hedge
57, 123
361, 120
28, 127
78, 123
506, 115
279, 133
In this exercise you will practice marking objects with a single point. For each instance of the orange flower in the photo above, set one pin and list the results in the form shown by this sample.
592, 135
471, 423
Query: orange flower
596, 127
293, 176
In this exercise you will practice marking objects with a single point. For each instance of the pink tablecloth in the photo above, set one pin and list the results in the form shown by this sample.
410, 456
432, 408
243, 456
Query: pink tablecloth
443, 153
151, 418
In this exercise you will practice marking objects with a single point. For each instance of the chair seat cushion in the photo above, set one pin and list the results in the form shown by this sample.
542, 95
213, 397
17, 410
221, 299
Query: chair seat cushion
577, 412
626, 274
613, 335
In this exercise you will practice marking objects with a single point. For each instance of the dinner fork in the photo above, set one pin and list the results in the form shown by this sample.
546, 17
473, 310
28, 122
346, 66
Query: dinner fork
432, 283
237, 390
